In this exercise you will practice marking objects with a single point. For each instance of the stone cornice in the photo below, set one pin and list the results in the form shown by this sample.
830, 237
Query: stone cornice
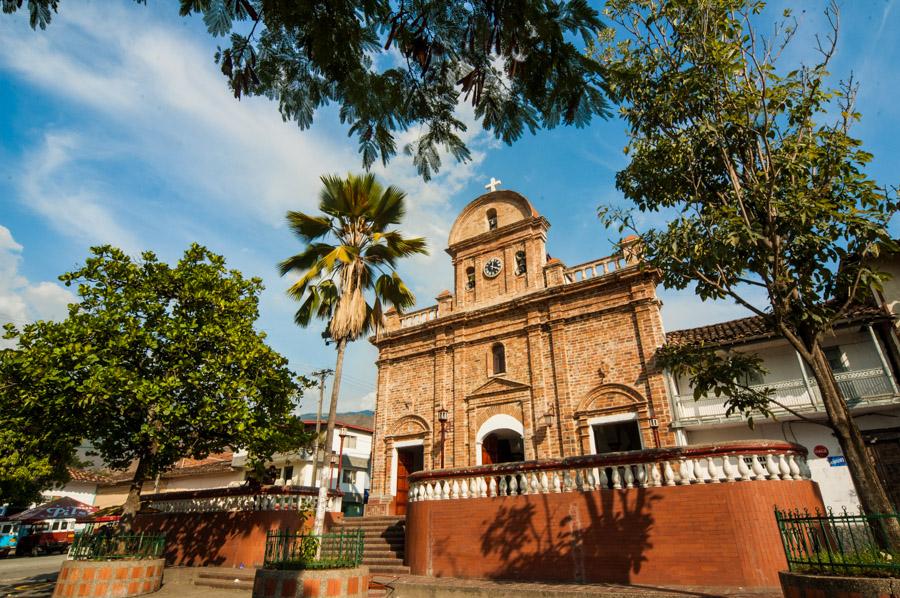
485, 239
532, 299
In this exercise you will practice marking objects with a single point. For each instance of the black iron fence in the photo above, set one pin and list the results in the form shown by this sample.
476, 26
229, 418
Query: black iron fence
297, 550
98, 547
843, 543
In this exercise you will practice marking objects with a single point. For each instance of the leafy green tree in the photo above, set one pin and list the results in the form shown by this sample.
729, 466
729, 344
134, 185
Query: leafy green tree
392, 66
349, 250
766, 187
156, 363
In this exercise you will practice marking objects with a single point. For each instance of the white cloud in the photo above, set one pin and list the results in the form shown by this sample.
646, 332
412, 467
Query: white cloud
22, 301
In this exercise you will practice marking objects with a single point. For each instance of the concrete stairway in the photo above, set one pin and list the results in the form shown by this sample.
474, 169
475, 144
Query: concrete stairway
225, 578
385, 539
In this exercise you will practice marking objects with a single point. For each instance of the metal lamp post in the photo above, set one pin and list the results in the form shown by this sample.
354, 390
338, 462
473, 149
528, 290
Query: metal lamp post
334, 462
443, 416
343, 433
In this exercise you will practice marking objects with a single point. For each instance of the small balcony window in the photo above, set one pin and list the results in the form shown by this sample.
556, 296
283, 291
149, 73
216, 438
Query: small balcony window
470, 278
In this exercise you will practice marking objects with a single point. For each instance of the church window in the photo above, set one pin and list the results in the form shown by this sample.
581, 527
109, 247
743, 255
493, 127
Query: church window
520, 263
470, 278
498, 354
492, 219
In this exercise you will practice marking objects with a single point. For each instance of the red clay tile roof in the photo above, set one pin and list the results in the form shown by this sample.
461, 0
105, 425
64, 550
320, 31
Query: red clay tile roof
753, 328
83, 475
219, 462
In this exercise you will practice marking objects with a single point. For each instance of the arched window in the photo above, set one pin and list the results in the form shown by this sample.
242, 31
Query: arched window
470, 278
521, 266
498, 354
492, 219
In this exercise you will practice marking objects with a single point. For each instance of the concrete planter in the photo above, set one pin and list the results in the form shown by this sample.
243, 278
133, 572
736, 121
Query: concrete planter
805, 585
314, 582
109, 579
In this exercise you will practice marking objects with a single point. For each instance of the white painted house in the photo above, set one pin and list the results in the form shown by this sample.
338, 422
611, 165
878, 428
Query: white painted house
862, 352
352, 477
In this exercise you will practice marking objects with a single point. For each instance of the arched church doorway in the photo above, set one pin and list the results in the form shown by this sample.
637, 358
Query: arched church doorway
502, 446
500, 440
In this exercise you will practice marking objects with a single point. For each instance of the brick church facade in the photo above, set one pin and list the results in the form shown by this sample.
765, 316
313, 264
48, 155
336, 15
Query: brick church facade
527, 358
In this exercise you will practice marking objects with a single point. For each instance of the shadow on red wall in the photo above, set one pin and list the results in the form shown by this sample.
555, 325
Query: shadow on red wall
218, 539
524, 542
708, 534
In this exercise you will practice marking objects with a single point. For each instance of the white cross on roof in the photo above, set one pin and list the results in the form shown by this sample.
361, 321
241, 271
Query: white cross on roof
493, 184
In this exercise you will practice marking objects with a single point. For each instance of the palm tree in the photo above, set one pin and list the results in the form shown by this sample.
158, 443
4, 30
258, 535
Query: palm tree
349, 251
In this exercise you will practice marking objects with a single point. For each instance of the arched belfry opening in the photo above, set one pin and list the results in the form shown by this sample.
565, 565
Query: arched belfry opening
492, 219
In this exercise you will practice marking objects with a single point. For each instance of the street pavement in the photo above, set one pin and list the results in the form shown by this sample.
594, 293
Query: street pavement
29, 576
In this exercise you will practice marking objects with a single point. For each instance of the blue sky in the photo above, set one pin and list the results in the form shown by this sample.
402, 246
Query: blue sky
116, 127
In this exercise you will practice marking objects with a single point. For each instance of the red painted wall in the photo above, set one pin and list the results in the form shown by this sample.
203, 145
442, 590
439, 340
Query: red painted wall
223, 539
710, 534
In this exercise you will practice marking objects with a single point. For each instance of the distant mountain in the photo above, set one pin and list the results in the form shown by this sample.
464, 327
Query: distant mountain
364, 418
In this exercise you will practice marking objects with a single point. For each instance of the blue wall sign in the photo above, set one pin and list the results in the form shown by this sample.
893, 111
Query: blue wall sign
837, 461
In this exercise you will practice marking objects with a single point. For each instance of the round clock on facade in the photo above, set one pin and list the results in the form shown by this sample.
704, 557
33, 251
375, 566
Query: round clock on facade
492, 267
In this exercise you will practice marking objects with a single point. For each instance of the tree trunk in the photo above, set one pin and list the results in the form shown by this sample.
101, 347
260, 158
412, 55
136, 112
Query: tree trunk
872, 496
319, 524
133, 502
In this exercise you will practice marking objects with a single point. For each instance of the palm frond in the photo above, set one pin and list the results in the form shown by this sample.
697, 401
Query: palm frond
307, 227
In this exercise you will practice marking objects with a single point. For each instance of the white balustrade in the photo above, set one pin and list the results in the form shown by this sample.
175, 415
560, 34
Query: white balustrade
655, 468
418, 317
234, 502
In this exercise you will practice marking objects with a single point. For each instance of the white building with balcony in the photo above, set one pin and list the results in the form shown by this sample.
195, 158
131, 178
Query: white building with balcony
863, 355
352, 448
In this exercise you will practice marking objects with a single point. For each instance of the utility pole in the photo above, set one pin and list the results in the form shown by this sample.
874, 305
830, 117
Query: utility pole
321, 375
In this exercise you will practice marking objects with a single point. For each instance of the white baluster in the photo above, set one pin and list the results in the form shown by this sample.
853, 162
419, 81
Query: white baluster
655, 476
503, 486
759, 472
535, 483
579, 480
728, 468
771, 466
429, 491
568, 484
794, 467
713, 469
454, 489
445, 490
616, 480
557, 482
492, 487
641, 475
483, 487
742, 469
545, 483
589, 480
513, 485
524, 484
629, 477
783, 468
464, 489
687, 472
604, 482
668, 473
412, 493
805, 473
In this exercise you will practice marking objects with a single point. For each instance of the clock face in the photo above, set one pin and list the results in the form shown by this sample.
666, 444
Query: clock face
492, 267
